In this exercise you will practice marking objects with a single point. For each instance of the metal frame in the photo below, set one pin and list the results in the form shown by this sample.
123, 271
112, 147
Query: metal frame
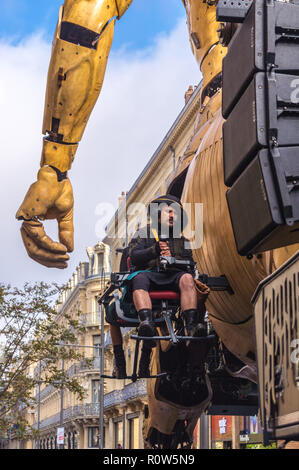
167, 316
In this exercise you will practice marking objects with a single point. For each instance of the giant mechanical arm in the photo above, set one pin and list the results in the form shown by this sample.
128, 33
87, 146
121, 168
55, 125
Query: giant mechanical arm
81, 47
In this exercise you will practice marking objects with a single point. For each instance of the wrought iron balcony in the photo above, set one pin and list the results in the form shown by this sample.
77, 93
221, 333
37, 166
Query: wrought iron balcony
87, 410
129, 392
92, 410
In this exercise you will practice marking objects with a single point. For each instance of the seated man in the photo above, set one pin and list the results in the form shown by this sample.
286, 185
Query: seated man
145, 249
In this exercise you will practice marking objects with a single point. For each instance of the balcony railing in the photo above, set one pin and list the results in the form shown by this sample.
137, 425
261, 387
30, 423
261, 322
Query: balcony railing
88, 410
129, 392
92, 410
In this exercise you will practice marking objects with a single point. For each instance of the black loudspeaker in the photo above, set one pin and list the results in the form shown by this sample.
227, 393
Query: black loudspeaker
247, 46
251, 49
245, 131
254, 205
261, 132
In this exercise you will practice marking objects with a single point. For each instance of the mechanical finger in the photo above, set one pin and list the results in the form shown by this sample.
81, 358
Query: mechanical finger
66, 230
49, 264
47, 258
35, 230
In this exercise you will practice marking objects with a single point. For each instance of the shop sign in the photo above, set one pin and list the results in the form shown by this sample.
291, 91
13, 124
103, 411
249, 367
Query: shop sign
222, 425
60, 436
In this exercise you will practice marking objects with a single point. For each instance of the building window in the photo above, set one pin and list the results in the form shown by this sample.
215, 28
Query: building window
91, 265
96, 339
118, 434
75, 440
95, 387
93, 437
100, 262
133, 433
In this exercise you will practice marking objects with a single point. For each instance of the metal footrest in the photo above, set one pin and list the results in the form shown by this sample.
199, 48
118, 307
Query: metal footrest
179, 338
134, 377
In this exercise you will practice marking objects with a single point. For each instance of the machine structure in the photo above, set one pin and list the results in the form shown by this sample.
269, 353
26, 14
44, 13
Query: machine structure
241, 164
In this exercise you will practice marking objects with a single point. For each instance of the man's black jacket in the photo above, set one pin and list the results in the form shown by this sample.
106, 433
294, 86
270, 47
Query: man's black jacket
144, 250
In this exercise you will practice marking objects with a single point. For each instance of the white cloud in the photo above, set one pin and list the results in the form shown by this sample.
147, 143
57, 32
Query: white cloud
142, 95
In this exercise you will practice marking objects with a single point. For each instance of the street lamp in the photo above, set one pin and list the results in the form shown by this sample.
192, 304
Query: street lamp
101, 397
38, 404
61, 446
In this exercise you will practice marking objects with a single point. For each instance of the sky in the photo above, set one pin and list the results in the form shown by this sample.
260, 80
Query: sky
149, 70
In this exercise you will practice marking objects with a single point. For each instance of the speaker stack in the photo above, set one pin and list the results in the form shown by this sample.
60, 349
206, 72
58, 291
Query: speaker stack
261, 131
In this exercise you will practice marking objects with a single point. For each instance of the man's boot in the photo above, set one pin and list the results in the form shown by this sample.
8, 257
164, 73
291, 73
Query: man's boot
120, 362
144, 362
197, 351
147, 326
194, 325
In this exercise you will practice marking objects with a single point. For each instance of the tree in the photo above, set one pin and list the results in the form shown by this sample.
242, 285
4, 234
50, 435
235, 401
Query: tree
31, 336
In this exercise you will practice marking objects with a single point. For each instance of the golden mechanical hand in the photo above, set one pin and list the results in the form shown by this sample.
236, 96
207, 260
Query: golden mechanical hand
48, 198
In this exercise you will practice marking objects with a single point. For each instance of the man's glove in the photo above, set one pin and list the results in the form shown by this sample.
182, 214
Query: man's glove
48, 198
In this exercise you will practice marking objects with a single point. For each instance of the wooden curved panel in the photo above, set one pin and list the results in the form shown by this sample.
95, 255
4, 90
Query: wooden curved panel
218, 255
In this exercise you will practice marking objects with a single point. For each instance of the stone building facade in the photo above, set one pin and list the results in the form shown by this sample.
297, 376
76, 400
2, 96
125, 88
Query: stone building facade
124, 401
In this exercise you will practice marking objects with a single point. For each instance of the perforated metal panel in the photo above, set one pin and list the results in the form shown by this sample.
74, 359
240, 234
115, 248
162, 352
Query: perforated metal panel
233, 10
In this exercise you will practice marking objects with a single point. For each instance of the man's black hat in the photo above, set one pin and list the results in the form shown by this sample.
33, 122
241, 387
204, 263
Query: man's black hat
169, 200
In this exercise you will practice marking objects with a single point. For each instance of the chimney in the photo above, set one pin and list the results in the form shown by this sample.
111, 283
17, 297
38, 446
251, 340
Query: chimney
121, 198
188, 94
